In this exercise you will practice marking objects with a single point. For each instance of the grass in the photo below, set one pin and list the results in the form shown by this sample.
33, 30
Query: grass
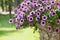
8, 31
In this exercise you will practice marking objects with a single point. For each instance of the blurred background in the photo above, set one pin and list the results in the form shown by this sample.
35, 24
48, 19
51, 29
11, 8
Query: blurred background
8, 31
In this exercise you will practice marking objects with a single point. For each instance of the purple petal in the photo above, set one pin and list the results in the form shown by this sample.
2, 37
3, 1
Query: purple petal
11, 20
57, 30
44, 17
43, 23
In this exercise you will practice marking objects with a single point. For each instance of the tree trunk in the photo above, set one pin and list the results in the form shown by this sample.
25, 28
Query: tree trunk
46, 35
10, 7
2, 5
6, 5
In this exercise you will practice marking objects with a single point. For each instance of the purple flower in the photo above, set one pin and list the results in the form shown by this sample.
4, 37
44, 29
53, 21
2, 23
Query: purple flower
52, 13
37, 18
38, 14
57, 30
16, 19
52, 1
58, 7
44, 17
39, 5
32, 5
42, 0
48, 7
16, 15
21, 21
31, 13
17, 26
35, 3
41, 9
30, 19
26, 9
58, 3
28, 2
21, 9
37, 11
22, 14
45, 2
49, 28
11, 20
58, 21
43, 23
52, 6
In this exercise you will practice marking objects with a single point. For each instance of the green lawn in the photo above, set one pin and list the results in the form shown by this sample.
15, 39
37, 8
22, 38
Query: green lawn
8, 31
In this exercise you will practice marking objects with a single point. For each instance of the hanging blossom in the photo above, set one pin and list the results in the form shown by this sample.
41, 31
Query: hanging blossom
58, 5
52, 12
44, 17
58, 21
49, 28
37, 11
43, 23
11, 20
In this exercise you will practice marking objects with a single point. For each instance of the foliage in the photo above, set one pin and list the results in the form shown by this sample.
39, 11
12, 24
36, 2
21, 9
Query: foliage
37, 11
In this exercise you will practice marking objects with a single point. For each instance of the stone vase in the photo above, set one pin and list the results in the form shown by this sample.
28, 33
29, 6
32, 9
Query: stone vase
46, 35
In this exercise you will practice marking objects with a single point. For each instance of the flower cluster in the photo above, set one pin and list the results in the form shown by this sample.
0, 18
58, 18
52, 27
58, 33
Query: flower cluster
37, 11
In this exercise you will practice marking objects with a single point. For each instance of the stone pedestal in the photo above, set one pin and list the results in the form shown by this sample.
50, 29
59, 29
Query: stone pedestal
49, 36
46, 35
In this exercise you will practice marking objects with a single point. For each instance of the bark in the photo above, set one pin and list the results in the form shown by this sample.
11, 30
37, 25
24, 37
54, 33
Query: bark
10, 7
2, 5
6, 5
46, 35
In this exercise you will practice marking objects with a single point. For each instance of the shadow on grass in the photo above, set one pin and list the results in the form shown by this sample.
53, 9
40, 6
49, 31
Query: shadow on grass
5, 24
6, 32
